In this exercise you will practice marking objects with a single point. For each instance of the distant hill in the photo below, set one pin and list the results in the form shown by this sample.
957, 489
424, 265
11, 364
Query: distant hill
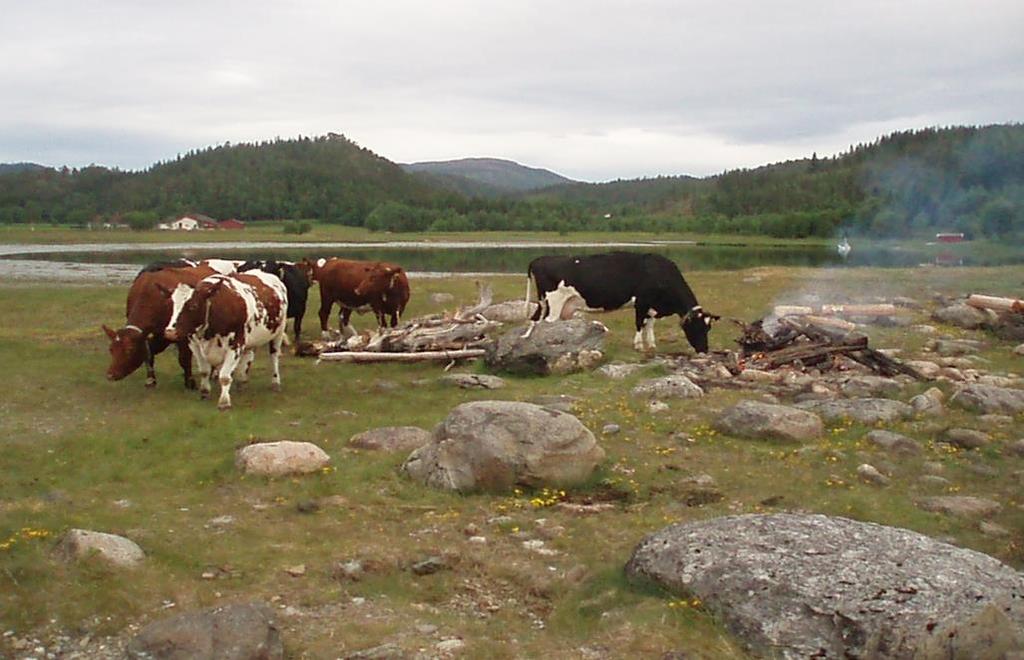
14, 168
485, 177
328, 177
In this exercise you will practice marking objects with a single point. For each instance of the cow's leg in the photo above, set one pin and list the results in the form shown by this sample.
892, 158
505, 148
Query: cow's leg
153, 345
649, 331
325, 315
297, 327
275, 366
641, 327
185, 361
205, 372
231, 361
244, 365
344, 318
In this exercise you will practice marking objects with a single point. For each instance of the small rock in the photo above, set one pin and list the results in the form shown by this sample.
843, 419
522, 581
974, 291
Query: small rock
426, 629
934, 480
382, 652
619, 370
449, 646
473, 381
348, 571
893, 442
965, 438
1019, 349
963, 506
995, 420
989, 528
296, 571
610, 429
561, 402
307, 506
1016, 448
278, 459
765, 421
472, 529
477, 540
655, 407
398, 439
429, 566
870, 474
221, 521
116, 550
675, 386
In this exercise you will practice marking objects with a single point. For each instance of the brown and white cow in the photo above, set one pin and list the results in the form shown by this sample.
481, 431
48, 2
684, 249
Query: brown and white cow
147, 313
359, 286
224, 319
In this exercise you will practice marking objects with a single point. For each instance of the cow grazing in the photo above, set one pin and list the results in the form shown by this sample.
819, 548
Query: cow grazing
359, 286
650, 283
147, 313
296, 281
224, 319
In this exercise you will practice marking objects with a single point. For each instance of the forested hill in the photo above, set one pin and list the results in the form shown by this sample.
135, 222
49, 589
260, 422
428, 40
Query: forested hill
485, 177
953, 179
14, 168
329, 178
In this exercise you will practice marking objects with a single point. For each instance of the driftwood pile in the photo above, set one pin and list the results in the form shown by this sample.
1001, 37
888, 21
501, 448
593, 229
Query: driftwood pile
810, 341
444, 337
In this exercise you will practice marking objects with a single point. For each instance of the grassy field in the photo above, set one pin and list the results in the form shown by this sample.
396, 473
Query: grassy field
157, 466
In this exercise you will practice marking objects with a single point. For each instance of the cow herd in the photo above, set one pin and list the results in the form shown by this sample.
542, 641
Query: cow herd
221, 311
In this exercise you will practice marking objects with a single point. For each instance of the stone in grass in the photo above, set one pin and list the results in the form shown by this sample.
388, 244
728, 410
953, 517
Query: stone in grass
675, 386
870, 474
619, 370
961, 506
766, 421
278, 459
114, 549
893, 442
800, 586
240, 631
1015, 448
493, 445
473, 381
965, 438
401, 439
865, 411
989, 399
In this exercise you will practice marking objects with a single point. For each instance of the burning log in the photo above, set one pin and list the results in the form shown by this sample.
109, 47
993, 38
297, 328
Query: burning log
996, 303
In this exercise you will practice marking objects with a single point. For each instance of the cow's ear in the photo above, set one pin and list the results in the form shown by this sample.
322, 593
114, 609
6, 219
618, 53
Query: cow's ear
110, 333
167, 293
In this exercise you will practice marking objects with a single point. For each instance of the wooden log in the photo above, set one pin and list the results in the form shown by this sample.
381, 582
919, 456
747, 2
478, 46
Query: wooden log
996, 303
792, 310
881, 309
829, 322
366, 357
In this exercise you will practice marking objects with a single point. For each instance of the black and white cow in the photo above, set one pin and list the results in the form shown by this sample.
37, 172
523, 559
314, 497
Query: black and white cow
295, 281
649, 283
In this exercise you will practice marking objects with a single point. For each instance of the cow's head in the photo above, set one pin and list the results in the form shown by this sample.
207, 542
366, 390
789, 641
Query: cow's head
128, 350
311, 267
190, 309
696, 324
379, 280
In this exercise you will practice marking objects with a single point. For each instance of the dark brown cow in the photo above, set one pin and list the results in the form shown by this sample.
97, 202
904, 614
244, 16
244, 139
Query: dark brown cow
147, 312
359, 286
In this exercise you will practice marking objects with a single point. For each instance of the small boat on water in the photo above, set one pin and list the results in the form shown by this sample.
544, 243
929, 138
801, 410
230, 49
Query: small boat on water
844, 247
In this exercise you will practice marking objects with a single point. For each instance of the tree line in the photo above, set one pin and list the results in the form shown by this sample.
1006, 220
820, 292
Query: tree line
907, 183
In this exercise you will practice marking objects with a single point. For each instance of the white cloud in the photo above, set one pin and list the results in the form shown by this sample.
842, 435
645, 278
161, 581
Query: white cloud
596, 90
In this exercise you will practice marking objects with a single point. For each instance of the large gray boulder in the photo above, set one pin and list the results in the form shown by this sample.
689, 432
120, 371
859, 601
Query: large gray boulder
989, 399
675, 386
111, 548
391, 439
866, 386
962, 316
767, 421
865, 411
559, 347
242, 631
894, 442
800, 586
494, 445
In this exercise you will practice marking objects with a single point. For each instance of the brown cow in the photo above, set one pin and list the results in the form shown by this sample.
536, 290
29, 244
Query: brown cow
147, 312
359, 286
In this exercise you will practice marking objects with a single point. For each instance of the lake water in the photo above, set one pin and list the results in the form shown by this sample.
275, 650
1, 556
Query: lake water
119, 262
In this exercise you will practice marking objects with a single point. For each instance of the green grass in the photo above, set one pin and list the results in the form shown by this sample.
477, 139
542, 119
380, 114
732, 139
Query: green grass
157, 465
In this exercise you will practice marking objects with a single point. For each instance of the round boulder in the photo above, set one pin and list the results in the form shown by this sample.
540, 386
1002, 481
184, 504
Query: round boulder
548, 348
241, 631
279, 459
768, 421
962, 316
865, 411
989, 399
494, 445
111, 548
799, 586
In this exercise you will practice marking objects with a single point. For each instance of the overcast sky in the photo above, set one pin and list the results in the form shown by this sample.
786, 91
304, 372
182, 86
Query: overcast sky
593, 90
